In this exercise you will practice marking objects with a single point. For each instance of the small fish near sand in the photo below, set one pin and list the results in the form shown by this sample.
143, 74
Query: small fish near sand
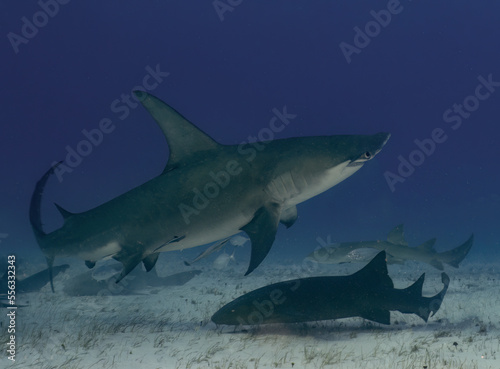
397, 251
223, 260
369, 294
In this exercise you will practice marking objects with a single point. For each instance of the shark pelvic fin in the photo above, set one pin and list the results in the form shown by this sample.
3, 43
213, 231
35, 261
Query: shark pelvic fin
90, 264
397, 236
289, 216
262, 232
182, 136
150, 261
66, 214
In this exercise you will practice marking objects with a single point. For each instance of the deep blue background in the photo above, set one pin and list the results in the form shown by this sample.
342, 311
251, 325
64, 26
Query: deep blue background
227, 76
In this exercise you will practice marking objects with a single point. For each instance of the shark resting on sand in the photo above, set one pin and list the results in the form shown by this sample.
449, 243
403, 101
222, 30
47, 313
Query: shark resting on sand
369, 294
207, 192
397, 251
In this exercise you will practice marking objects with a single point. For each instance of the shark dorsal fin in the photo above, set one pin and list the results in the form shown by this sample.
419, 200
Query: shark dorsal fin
427, 245
376, 271
397, 236
183, 137
66, 214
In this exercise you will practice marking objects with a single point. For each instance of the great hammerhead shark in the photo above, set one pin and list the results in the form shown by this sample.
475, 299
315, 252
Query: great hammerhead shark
207, 192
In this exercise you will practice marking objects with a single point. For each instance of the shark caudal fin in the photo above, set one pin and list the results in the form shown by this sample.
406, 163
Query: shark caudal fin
36, 220
424, 307
455, 256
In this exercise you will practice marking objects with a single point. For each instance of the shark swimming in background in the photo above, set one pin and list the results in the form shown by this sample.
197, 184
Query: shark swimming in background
369, 294
397, 251
207, 192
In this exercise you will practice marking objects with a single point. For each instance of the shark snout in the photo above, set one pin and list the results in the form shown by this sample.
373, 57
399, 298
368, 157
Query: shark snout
372, 147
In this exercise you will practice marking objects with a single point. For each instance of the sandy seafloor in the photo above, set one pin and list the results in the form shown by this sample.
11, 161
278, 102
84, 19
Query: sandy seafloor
170, 327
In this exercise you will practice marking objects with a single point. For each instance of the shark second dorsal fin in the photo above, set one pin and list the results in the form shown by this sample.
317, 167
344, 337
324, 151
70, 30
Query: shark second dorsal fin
397, 236
183, 137
427, 245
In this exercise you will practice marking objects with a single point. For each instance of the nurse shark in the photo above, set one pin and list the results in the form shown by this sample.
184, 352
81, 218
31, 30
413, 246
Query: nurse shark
207, 192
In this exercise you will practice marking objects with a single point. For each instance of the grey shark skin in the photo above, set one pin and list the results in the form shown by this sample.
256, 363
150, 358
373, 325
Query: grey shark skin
369, 294
397, 250
207, 192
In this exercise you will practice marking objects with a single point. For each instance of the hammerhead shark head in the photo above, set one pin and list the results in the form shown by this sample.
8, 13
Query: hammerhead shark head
369, 294
207, 192
397, 251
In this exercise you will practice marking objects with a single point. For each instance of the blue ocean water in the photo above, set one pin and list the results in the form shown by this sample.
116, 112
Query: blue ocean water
425, 71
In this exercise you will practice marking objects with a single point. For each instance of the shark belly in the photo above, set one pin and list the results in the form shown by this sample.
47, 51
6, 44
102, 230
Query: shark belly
292, 188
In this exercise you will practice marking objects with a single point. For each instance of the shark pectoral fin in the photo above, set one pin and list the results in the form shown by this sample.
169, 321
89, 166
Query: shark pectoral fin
289, 216
262, 231
379, 316
90, 263
150, 261
397, 236
182, 136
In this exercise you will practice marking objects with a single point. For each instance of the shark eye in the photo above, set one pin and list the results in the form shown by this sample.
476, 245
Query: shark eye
367, 155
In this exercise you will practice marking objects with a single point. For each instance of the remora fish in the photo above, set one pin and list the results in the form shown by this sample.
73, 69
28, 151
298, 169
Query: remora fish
207, 192
369, 294
397, 250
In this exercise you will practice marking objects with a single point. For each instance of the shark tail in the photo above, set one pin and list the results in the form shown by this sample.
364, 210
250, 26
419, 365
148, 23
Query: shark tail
455, 256
36, 220
424, 307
